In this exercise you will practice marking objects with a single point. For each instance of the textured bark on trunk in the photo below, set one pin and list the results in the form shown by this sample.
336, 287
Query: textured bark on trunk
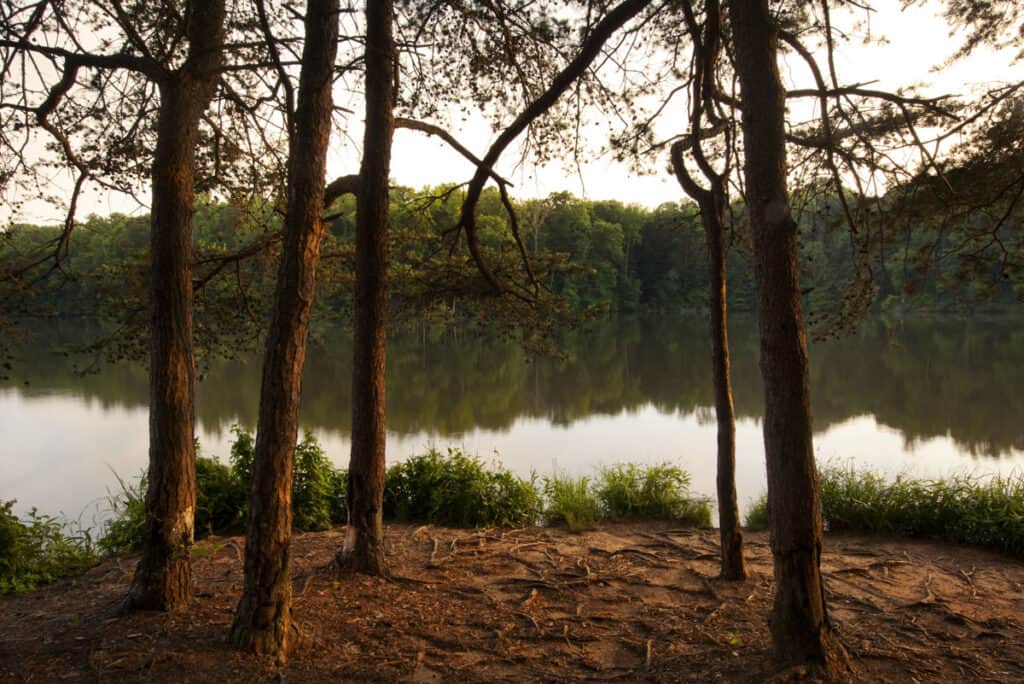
163, 578
263, 621
363, 548
712, 211
801, 631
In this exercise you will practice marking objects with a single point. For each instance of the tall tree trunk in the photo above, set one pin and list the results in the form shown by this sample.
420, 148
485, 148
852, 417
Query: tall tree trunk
707, 43
263, 620
800, 626
163, 578
712, 211
363, 549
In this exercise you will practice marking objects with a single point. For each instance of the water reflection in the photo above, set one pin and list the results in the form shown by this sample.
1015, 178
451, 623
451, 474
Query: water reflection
635, 389
925, 378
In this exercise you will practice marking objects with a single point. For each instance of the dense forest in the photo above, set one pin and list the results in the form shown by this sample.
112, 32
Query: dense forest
600, 256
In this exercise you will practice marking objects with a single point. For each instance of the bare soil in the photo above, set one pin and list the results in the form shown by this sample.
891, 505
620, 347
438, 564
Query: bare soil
630, 602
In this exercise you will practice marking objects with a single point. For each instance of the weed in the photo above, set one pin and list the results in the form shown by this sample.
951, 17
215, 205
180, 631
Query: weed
572, 501
757, 516
39, 549
654, 492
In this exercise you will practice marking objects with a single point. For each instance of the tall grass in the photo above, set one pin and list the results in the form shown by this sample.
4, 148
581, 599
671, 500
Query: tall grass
963, 509
656, 492
571, 500
623, 491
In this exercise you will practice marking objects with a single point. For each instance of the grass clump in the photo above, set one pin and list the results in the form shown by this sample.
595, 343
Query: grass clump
456, 489
654, 492
39, 549
122, 533
571, 500
757, 515
964, 509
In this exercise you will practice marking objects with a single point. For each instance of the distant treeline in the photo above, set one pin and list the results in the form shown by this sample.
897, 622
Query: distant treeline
587, 253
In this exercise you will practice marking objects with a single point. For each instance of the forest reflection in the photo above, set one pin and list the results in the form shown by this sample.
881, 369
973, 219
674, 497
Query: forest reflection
924, 377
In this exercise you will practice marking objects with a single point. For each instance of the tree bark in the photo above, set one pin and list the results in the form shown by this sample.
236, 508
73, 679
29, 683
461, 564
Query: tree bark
801, 631
363, 548
713, 217
263, 621
163, 577
706, 49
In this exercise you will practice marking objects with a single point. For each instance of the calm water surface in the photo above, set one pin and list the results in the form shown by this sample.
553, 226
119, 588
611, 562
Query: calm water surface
927, 397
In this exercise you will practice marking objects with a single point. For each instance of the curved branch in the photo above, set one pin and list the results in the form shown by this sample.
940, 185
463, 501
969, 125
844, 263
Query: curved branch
588, 52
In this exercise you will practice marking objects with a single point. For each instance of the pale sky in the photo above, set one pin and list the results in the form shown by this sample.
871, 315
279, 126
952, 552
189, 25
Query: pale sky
918, 41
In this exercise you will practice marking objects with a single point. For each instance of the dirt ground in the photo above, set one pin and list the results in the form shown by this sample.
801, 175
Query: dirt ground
625, 602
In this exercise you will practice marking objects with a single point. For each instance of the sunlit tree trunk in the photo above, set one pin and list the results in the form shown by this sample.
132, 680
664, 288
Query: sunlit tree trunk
163, 578
800, 626
363, 548
263, 620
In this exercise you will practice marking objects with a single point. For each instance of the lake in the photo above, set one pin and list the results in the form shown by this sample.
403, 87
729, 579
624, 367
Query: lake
923, 396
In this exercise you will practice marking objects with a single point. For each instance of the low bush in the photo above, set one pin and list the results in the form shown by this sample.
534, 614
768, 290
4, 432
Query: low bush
654, 492
221, 498
964, 509
571, 500
315, 492
987, 511
39, 549
122, 532
456, 489
757, 515
222, 495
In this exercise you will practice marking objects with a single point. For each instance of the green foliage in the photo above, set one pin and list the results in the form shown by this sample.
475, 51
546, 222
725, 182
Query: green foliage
243, 451
456, 489
987, 511
39, 549
964, 509
221, 498
757, 516
572, 501
122, 532
222, 495
656, 492
315, 493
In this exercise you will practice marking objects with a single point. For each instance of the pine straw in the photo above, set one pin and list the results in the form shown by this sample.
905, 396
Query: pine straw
628, 602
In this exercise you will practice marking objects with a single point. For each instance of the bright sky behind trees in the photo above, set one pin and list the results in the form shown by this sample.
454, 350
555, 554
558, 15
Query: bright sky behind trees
914, 44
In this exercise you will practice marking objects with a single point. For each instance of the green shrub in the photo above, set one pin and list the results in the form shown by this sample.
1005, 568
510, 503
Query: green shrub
222, 495
655, 492
39, 549
221, 498
757, 516
339, 498
964, 509
572, 501
313, 486
243, 454
122, 532
456, 489
987, 511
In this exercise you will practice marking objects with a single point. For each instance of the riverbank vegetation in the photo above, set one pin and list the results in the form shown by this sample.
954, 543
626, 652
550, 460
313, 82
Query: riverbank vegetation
960, 509
455, 489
